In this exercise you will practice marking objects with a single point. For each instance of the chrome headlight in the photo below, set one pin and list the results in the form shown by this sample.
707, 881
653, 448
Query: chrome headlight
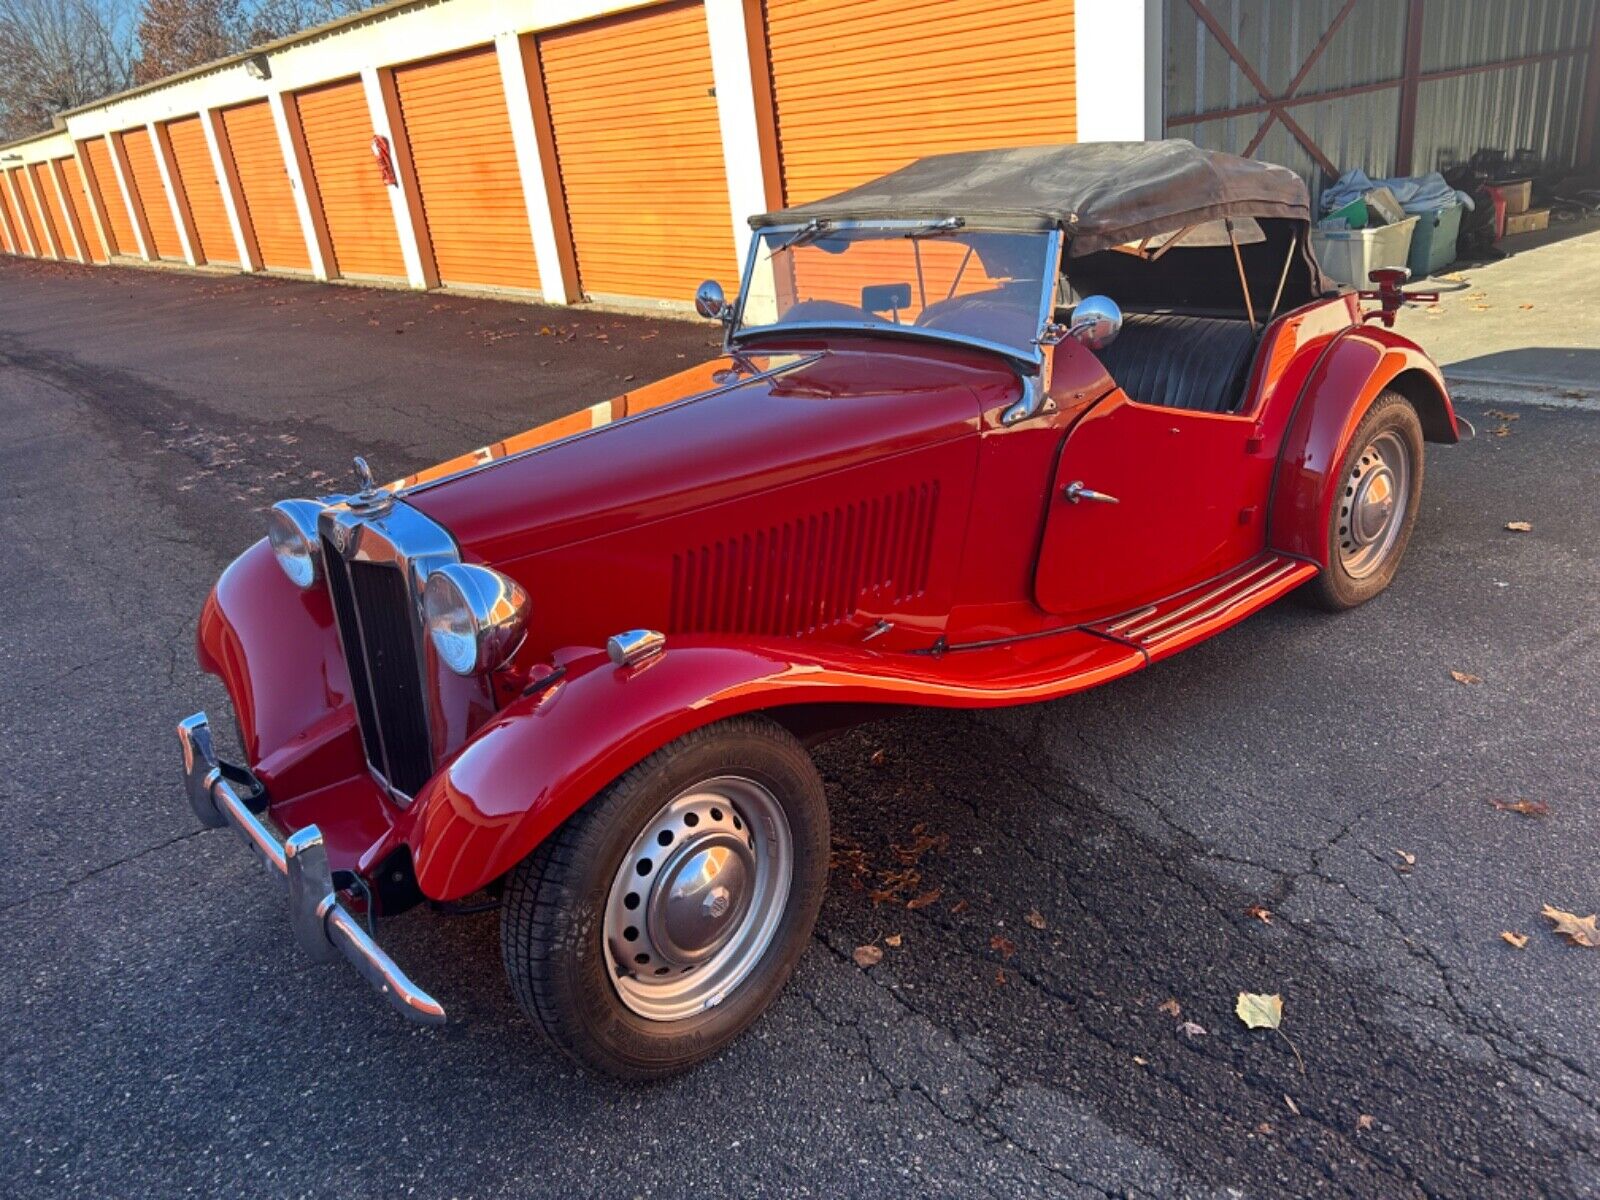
475, 616
292, 530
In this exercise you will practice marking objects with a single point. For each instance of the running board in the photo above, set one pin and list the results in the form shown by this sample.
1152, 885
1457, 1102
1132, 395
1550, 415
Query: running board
1169, 625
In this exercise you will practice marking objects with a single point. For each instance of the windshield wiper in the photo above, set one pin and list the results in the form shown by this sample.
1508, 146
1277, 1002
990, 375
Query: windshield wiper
805, 235
938, 228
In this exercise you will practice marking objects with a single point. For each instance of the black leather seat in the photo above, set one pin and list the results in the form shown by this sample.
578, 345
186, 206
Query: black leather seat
1198, 363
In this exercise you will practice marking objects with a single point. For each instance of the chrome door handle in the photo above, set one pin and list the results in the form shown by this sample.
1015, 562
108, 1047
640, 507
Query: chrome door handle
1075, 491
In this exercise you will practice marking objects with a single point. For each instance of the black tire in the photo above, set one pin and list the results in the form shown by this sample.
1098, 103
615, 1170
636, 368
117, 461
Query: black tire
1336, 588
554, 910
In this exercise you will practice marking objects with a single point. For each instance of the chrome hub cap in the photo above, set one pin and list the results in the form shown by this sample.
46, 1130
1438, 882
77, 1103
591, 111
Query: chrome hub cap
1372, 509
698, 897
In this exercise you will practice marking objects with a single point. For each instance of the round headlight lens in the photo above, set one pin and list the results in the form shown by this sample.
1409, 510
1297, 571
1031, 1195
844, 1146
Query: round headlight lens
475, 617
292, 531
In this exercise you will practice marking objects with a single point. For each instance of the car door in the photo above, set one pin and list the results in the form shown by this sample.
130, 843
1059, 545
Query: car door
1146, 502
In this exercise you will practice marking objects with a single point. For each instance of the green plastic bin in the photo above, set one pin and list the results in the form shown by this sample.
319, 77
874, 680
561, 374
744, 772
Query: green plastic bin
1433, 242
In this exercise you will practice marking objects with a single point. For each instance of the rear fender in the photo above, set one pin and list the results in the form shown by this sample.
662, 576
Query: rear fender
546, 755
1355, 369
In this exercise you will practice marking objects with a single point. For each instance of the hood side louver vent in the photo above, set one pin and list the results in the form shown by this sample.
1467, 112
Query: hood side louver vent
809, 573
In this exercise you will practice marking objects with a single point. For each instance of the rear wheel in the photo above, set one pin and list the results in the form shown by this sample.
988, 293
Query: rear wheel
1375, 506
663, 918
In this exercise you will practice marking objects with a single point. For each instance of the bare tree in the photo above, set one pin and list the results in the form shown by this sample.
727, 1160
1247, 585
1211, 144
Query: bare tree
58, 54
273, 19
177, 34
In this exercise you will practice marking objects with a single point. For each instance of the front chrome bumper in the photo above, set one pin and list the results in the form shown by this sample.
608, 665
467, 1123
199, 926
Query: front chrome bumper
324, 928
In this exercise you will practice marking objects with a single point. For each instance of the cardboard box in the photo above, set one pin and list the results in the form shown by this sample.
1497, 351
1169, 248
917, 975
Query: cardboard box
1518, 194
1530, 221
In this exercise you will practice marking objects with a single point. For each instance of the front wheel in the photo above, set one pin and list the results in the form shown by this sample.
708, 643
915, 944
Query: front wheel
1375, 506
663, 918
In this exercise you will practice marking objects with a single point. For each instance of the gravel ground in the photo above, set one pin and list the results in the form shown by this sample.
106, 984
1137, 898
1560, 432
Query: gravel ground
1096, 859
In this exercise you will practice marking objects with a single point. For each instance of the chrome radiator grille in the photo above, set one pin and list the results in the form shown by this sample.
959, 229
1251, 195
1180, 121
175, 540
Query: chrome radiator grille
376, 628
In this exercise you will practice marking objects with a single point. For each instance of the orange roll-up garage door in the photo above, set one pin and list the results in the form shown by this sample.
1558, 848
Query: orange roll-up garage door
7, 238
141, 159
355, 200
862, 94
193, 160
640, 149
258, 159
30, 213
466, 167
78, 197
14, 221
105, 176
45, 179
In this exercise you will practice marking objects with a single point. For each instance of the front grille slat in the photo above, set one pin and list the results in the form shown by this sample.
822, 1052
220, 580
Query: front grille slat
376, 626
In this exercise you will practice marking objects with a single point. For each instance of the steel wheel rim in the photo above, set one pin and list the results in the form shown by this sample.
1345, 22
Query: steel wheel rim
1372, 507
698, 898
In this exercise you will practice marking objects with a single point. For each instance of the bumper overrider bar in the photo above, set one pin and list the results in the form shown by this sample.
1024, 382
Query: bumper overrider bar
324, 928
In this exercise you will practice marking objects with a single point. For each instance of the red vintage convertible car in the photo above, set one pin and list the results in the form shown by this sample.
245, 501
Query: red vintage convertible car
577, 670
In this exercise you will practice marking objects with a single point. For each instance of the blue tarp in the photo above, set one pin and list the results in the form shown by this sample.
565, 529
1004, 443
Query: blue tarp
1416, 193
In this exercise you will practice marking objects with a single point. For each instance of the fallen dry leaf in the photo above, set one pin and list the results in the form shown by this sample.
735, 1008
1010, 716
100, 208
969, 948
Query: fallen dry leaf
1524, 307
894, 939
1264, 915
1528, 808
1035, 918
1519, 940
999, 976
1364, 1121
1520, 526
960, 906
877, 758
1143, 1062
925, 899
1480, 308
1266, 1012
1293, 1107
1410, 859
1258, 1011
1264, 1129
868, 956
1003, 944
1465, 679
1192, 1029
1580, 931
1172, 1008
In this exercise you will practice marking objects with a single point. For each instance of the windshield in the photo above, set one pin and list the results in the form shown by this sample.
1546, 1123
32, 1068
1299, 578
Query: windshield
940, 280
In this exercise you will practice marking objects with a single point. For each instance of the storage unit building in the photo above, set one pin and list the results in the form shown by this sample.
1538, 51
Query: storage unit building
640, 152
354, 199
614, 150
192, 161
458, 128
269, 201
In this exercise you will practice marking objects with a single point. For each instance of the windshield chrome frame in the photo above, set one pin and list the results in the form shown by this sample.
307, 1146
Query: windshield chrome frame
1032, 355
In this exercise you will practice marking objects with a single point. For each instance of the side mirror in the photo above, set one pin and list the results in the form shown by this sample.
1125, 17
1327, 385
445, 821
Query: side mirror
709, 301
1096, 321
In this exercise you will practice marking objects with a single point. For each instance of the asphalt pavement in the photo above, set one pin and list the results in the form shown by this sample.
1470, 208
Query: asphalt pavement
1057, 1020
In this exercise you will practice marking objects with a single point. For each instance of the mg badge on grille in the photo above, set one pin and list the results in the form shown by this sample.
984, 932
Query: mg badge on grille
340, 535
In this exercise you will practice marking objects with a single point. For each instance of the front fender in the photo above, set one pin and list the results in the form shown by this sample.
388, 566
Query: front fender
276, 650
545, 756
1354, 370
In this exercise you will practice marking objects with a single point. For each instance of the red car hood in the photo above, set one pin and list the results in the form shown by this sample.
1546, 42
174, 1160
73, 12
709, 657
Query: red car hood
717, 431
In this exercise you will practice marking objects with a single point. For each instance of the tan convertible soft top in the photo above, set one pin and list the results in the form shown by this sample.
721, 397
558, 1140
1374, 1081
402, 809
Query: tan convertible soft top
1102, 194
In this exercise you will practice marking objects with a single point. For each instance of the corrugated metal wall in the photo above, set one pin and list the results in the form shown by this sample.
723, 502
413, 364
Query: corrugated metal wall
1537, 106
